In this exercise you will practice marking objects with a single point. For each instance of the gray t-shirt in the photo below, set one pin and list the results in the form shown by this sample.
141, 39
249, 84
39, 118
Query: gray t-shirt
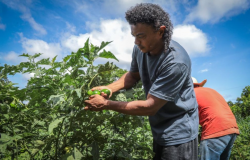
168, 76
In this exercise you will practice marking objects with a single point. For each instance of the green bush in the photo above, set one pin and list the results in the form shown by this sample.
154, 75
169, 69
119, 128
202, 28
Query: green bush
242, 105
241, 110
241, 148
52, 123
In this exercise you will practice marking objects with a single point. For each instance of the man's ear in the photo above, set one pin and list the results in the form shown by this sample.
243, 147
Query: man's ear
162, 30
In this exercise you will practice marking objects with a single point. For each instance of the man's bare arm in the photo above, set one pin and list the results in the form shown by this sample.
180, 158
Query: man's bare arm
128, 80
148, 107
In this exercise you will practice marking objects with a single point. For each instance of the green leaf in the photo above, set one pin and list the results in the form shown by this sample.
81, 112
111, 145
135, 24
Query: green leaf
56, 99
24, 55
78, 92
77, 154
37, 73
107, 67
57, 64
86, 46
130, 93
38, 143
121, 97
96, 49
54, 124
16, 137
95, 151
104, 44
4, 138
107, 54
67, 79
25, 65
44, 61
34, 151
68, 156
93, 48
37, 123
53, 60
124, 154
36, 55
85, 49
65, 59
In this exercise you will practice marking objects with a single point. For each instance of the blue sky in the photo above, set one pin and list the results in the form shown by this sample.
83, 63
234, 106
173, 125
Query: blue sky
215, 33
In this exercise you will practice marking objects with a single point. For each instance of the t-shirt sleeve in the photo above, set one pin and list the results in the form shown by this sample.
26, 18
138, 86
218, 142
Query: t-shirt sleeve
169, 82
134, 64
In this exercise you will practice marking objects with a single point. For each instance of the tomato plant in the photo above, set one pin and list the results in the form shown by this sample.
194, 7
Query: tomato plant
46, 119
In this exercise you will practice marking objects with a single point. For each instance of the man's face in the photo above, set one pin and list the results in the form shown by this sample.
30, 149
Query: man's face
147, 38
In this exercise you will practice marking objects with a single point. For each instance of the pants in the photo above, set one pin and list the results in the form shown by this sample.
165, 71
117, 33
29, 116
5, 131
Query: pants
218, 148
185, 151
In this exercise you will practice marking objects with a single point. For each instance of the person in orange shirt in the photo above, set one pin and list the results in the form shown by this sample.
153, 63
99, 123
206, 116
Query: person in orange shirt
219, 127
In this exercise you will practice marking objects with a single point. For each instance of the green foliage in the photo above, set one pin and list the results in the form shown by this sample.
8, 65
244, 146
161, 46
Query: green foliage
46, 120
241, 146
6, 89
242, 105
241, 110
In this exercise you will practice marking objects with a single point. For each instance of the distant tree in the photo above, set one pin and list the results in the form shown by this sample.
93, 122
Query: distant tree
241, 109
3, 79
242, 105
4, 86
230, 103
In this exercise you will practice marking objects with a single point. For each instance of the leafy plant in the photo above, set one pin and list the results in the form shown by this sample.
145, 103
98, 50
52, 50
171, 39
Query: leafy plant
46, 120
242, 106
241, 145
241, 110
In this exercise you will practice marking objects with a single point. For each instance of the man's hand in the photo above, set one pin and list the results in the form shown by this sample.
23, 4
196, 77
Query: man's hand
96, 103
102, 93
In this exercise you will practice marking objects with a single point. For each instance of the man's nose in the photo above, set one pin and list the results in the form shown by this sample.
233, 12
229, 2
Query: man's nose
137, 42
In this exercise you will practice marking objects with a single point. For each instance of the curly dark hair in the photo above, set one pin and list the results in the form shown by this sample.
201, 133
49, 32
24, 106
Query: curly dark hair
151, 14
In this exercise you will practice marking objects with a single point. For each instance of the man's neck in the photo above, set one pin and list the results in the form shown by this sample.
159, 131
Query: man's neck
158, 50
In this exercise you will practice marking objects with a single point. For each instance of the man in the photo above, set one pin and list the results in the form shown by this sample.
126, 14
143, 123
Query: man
219, 127
164, 68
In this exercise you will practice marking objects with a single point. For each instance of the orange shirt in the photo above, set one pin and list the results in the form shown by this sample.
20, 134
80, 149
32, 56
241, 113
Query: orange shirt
215, 116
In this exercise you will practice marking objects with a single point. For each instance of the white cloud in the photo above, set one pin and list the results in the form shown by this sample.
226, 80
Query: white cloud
120, 6
117, 8
214, 10
192, 39
204, 70
27, 76
71, 28
116, 30
31, 46
22, 6
27, 17
11, 56
48, 50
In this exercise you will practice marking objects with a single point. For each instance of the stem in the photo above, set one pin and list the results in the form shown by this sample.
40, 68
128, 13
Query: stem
57, 140
25, 146
17, 150
71, 76
92, 80
15, 143
20, 102
70, 125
